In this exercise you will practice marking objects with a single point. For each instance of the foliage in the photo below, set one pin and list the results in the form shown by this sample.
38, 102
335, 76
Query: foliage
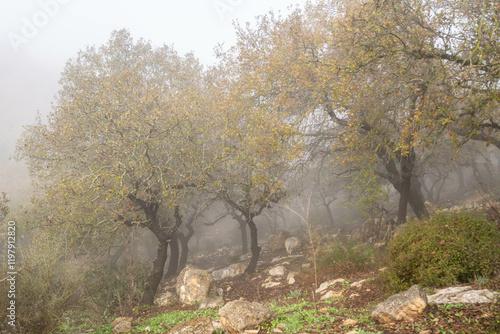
129, 136
113, 289
4, 208
348, 256
48, 278
446, 249
166, 321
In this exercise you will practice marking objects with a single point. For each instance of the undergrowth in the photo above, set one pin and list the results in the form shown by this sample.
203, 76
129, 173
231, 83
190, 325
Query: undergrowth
444, 250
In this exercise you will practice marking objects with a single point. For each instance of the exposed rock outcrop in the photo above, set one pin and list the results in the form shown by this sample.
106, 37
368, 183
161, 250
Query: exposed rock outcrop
404, 306
233, 270
462, 294
238, 315
194, 285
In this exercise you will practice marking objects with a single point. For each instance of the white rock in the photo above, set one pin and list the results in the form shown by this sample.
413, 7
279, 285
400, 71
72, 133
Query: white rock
404, 306
358, 284
193, 285
277, 271
233, 270
325, 285
292, 244
291, 278
269, 285
237, 316
349, 322
332, 294
462, 294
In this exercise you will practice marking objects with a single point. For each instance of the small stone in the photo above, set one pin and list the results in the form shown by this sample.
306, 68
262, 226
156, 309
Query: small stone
332, 295
349, 322
277, 271
323, 310
281, 326
269, 285
354, 295
358, 283
325, 285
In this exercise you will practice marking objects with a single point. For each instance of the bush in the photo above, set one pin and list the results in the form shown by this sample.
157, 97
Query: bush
444, 250
47, 280
347, 257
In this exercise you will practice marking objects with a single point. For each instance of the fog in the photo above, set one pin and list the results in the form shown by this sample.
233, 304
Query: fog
39, 36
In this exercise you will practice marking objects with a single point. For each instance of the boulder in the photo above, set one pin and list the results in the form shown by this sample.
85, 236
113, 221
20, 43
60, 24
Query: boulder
122, 325
211, 303
239, 315
277, 271
198, 326
233, 270
404, 306
292, 245
462, 294
194, 285
276, 242
165, 297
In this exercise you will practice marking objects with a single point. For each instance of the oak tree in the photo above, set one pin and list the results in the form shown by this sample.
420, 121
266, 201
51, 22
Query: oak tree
126, 138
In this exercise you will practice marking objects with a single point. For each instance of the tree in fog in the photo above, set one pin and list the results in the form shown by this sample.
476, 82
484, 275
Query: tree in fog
126, 138
259, 149
389, 76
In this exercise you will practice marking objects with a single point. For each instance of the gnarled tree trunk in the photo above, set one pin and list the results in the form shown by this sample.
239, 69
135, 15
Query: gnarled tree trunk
254, 246
173, 264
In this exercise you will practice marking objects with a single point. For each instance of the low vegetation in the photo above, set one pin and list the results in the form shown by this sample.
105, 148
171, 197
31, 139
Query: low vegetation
444, 250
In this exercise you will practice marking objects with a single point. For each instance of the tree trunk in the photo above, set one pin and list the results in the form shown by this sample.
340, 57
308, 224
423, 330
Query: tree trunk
243, 230
407, 165
416, 199
244, 237
254, 246
185, 247
156, 275
173, 264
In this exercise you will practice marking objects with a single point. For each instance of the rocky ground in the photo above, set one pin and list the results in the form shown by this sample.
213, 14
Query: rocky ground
348, 310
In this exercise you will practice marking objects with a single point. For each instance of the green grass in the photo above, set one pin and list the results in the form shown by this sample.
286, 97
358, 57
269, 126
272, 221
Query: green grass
166, 321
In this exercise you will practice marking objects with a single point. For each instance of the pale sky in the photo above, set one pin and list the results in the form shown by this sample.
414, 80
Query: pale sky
37, 37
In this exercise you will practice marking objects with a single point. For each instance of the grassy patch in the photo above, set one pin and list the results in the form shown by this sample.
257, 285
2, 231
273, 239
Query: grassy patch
166, 321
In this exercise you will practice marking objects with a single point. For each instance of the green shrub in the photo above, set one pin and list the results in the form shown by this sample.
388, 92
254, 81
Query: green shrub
346, 257
47, 280
446, 249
